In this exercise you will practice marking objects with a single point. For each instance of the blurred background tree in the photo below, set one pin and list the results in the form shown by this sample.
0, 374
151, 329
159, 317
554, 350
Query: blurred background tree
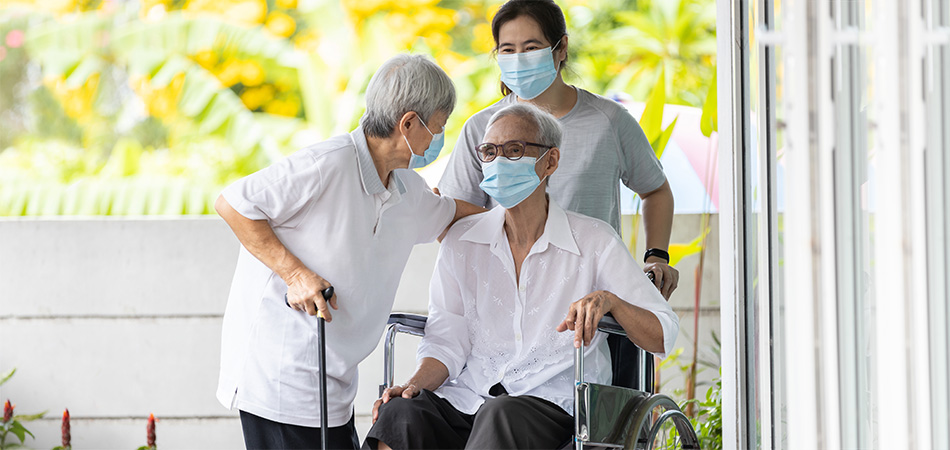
114, 107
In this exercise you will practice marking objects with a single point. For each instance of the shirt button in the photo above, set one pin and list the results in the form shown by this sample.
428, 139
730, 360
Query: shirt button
518, 336
522, 288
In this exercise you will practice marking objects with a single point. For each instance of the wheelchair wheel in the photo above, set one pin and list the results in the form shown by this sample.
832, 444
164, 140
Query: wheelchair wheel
649, 425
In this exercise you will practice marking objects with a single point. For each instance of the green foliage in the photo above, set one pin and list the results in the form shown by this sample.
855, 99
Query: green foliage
120, 91
626, 46
707, 413
707, 424
709, 430
14, 425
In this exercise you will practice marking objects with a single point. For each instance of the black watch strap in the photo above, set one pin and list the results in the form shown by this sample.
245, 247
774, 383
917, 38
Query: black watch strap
660, 253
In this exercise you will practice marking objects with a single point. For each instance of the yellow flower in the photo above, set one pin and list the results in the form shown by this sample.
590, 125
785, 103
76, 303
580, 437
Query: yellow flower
284, 84
280, 24
206, 58
482, 40
287, 4
60, 6
451, 61
288, 107
161, 103
253, 98
252, 74
438, 41
307, 40
230, 73
78, 101
248, 12
491, 9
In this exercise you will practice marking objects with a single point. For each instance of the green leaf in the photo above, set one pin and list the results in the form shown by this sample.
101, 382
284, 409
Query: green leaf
29, 417
86, 68
7, 376
124, 160
660, 143
167, 72
652, 119
709, 122
20, 431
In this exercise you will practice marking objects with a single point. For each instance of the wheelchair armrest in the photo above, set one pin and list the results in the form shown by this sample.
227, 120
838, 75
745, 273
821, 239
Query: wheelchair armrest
414, 324
609, 325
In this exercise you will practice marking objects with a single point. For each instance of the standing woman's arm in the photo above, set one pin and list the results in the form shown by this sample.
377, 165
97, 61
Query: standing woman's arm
642, 172
658, 223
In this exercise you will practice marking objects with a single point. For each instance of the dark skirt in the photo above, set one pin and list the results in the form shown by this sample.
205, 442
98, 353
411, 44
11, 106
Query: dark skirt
505, 422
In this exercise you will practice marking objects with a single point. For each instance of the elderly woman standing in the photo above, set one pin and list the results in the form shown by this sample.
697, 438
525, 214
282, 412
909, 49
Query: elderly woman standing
496, 363
343, 211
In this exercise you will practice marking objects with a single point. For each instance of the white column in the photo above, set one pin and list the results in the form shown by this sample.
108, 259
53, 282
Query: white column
729, 59
801, 252
892, 228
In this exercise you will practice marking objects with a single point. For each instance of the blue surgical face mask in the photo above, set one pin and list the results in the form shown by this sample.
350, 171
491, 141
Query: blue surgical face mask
528, 74
431, 153
510, 182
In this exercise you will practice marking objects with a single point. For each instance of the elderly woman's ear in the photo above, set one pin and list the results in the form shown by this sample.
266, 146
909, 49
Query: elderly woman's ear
406, 123
549, 162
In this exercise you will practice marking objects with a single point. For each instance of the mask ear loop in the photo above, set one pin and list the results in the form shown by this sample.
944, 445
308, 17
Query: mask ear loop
558, 68
539, 160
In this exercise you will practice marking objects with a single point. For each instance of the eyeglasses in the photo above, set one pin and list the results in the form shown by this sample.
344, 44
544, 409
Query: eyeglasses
512, 150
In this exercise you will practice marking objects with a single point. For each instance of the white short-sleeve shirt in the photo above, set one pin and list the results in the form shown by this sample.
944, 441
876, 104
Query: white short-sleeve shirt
487, 327
328, 206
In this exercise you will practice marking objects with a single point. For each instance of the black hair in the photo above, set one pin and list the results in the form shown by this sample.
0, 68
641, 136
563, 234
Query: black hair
546, 13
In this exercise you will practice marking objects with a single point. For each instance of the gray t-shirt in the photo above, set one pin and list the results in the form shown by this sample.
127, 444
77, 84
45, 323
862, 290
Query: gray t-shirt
602, 143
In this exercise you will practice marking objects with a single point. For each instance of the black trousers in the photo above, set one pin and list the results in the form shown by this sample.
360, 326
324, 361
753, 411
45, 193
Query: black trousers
504, 422
260, 433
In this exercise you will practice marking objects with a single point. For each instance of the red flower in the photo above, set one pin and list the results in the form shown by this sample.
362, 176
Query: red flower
7, 411
66, 436
150, 431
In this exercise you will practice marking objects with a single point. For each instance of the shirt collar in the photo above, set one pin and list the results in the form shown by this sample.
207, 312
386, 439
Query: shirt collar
557, 230
371, 183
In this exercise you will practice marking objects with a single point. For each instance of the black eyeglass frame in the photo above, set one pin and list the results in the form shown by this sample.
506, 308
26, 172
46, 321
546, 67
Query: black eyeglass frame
497, 147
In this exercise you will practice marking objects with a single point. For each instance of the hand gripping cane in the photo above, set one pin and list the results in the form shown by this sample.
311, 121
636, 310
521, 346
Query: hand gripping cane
322, 333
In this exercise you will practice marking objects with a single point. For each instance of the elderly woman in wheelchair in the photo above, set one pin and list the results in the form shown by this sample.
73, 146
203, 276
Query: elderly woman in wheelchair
515, 292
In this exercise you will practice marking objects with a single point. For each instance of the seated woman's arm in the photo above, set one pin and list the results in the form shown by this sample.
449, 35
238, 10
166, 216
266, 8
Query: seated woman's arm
445, 346
622, 289
642, 326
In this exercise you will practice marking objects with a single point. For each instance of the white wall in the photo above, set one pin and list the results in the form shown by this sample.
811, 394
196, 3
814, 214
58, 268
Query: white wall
119, 318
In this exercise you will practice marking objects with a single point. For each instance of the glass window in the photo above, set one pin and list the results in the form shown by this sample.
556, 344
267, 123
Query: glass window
763, 191
937, 104
854, 198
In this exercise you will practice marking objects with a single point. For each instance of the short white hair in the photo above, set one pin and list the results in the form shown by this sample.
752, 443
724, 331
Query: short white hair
405, 83
549, 129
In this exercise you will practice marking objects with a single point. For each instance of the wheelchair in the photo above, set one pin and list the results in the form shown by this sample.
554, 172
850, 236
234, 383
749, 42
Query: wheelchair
604, 416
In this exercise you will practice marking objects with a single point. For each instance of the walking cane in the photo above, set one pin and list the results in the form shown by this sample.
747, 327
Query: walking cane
322, 333
327, 294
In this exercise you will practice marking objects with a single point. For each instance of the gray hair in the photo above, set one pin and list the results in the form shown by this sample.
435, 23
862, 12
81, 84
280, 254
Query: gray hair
549, 130
405, 83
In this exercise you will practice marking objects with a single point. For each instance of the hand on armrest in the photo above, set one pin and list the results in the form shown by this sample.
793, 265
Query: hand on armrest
430, 375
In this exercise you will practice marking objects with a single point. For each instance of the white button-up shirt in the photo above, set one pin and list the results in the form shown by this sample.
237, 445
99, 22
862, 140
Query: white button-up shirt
328, 206
487, 327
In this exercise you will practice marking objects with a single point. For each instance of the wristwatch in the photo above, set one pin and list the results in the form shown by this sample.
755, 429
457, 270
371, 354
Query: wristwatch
660, 253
